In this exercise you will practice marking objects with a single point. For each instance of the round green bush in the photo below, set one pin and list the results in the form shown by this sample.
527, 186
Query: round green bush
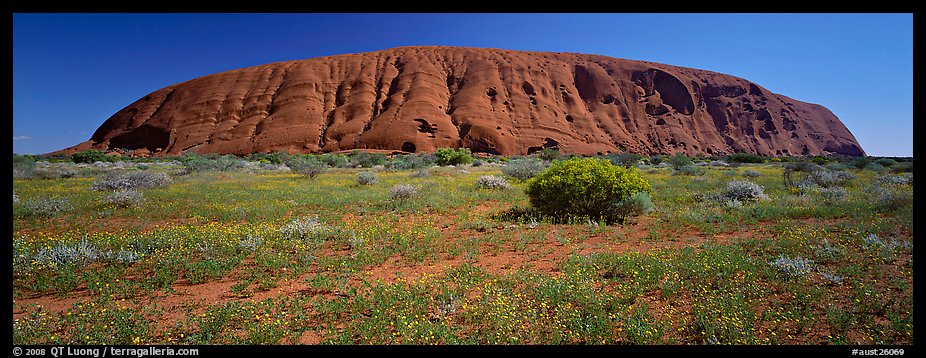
93, 156
449, 156
585, 188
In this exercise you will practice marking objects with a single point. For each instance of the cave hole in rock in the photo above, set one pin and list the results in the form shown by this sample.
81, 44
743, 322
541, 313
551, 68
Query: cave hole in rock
425, 127
408, 147
528, 88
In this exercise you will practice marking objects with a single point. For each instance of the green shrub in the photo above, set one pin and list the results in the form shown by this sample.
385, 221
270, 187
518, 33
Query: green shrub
275, 157
210, 162
887, 162
334, 160
625, 159
93, 156
656, 159
903, 167
408, 161
875, 167
549, 154
679, 160
584, 188
367, 160
861, 162
450, 156
820, 160
745, 158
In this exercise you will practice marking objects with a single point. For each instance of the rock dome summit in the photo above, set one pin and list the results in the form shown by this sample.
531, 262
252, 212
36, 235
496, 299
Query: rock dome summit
418, 99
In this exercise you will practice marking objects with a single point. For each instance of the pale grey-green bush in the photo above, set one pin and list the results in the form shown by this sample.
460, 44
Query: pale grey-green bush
687, 170
402, 192
797, 266
523, 169
366, 178
125, 198
743, 190
492, 182
46, 206
638, 203
303, 227
133, 180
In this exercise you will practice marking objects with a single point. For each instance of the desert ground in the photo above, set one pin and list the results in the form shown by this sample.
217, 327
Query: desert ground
227, 250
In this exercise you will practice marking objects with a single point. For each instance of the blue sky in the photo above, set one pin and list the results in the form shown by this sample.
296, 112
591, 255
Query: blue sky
72, 71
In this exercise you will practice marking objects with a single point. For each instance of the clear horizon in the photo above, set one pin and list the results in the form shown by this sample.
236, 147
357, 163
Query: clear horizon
73, 71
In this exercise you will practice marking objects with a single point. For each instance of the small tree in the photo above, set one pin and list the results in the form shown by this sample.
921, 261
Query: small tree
309, 167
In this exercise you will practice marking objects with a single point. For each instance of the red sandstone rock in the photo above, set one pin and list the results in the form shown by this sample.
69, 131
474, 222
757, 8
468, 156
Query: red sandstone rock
418, 99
